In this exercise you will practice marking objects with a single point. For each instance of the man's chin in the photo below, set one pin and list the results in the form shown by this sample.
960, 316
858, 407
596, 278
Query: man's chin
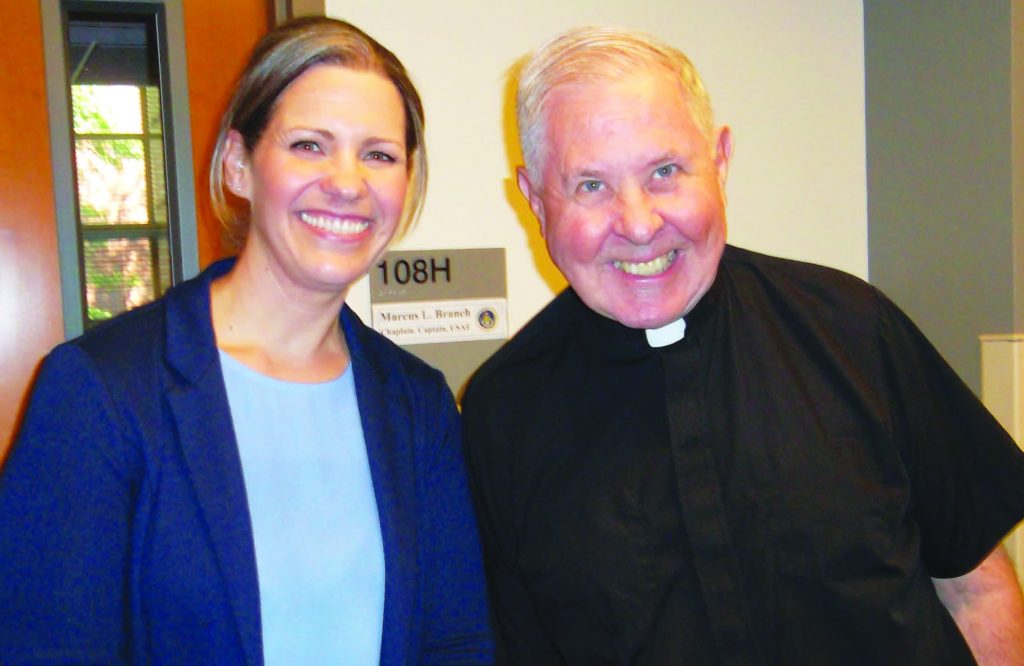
645, 306
642, 318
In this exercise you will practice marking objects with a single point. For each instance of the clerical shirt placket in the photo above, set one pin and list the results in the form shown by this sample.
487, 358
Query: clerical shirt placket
700, 495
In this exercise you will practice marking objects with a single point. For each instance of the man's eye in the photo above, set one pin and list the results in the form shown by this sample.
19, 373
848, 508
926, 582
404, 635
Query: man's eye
591, 186
665, 171
306, 146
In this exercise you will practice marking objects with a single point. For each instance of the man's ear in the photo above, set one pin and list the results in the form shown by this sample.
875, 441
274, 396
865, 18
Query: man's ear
236, 167
723, 154
532, 196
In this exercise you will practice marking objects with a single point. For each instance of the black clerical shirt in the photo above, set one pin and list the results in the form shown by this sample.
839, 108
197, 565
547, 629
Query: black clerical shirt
778, 487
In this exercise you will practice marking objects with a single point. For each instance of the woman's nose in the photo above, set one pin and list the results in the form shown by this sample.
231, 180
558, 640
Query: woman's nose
343, 178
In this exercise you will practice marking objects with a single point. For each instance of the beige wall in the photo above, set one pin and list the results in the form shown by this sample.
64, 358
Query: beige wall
788, 76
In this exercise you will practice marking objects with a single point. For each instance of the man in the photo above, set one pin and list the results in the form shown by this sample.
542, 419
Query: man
702, 455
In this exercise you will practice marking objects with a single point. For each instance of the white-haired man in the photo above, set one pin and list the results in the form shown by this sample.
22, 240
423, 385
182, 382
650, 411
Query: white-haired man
702, 455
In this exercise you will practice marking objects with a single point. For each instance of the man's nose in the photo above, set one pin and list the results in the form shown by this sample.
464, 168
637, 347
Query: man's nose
638, 220
343, 177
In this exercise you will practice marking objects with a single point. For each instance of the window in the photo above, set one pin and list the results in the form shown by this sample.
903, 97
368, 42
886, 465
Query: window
124, 196
117, 132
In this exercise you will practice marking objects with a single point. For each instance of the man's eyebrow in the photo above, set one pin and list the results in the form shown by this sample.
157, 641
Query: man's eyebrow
667, 156
572, 176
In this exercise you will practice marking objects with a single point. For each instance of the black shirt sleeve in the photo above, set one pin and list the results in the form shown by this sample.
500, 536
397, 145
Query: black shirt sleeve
966, 472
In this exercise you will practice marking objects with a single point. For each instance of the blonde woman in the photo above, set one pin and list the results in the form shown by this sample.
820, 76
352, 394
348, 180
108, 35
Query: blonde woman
242, 471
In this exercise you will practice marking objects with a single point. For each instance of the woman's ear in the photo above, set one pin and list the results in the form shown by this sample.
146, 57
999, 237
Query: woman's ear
235, 163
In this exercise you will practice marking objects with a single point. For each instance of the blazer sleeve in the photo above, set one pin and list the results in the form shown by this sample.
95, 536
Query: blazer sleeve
66, 498
456, 627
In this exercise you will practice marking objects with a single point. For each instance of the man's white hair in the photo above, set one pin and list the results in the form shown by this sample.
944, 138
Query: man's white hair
593, 54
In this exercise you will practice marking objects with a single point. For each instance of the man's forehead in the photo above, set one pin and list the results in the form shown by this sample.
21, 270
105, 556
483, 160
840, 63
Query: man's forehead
615, 79
589, 97
639, 107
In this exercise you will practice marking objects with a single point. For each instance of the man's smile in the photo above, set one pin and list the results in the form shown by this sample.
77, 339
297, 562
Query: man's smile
647, 268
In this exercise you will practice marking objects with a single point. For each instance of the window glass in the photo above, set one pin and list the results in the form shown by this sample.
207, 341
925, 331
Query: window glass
120, 170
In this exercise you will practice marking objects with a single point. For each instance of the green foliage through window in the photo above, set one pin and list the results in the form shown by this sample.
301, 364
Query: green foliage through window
123, 221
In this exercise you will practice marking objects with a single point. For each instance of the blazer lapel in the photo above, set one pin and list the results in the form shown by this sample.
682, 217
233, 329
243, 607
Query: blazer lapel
201, 411
382, 411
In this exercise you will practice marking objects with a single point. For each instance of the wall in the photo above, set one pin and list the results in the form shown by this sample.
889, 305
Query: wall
787, 76
29, 274
940, 179
1002, 389
1017, 157
215, 58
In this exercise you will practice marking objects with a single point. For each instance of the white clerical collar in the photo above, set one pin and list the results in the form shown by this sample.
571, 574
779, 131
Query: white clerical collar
667, 334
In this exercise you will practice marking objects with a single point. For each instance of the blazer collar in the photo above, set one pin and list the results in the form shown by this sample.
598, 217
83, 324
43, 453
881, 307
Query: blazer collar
191, 344
383, 408
203, 417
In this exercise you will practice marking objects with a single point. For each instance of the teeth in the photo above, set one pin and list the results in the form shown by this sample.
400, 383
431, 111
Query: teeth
652, 267
333, 224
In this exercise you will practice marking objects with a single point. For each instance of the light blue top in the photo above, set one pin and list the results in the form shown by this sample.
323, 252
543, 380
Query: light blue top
319, 553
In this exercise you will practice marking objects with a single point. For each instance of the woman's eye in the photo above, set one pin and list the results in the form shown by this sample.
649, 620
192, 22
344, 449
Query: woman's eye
306, 146
379, 156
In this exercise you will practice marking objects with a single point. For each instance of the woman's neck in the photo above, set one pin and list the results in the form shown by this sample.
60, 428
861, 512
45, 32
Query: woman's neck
286, 334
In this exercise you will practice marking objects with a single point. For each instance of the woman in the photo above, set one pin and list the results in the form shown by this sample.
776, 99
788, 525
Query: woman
237, 471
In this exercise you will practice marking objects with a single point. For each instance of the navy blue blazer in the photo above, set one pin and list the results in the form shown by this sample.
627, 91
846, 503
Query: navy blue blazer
124, 526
